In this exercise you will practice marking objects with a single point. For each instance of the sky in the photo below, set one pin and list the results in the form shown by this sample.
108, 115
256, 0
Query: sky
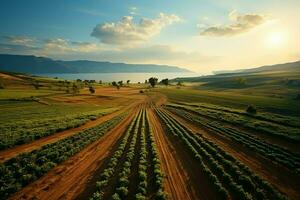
201, 35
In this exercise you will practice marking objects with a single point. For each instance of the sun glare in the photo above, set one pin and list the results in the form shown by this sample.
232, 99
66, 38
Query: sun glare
276, 39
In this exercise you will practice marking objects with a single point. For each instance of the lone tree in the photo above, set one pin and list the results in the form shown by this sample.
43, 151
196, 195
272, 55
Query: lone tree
100, 82
179, 83
92, 89
251, 110
153, 81
165, 81
128, 81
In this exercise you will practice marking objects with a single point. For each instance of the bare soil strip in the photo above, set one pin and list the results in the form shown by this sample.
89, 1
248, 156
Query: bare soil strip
36, 144
283, 179
177, 183
69, 179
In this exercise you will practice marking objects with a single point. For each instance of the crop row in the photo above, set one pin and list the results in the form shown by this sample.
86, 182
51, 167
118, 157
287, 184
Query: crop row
28, 167
118, 174
249, 121
274, 152
230, 178
12, 134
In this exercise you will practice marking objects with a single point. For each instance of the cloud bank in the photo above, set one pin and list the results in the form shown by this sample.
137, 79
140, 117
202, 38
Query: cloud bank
127, 31
240, 24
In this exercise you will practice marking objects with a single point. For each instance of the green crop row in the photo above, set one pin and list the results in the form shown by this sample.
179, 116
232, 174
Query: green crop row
28, 167
249, 121
229, 177
274, 152
118, 178
12, 134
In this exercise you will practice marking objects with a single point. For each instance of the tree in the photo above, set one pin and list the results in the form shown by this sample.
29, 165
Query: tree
100, 82
251, 109
153, 81
114, 83
146, 81
165, 81
241, 81
179, 83
92, 89
128, 81
120, 83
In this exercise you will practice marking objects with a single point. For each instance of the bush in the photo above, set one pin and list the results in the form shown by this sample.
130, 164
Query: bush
251, 109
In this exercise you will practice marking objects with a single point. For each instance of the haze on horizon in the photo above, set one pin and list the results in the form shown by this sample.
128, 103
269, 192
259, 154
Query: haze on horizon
202, 36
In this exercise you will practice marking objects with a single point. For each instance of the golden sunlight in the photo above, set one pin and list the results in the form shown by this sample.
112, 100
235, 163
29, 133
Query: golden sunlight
276, 39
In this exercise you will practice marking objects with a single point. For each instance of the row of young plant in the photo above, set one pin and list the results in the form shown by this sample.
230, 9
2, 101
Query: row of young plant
284, 120
285, 132
28, 167
274, 152
122, 189
230, 178
115, 160
136, 133
12, 134
159, 192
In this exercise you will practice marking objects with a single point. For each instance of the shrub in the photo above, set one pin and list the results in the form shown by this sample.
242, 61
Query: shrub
251, 109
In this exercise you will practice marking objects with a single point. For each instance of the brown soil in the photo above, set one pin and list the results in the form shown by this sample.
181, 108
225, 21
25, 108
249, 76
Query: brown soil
283, 179
12, 152
183, 180
70, 178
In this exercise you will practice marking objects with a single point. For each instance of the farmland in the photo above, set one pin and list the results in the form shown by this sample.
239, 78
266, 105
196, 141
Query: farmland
61, 140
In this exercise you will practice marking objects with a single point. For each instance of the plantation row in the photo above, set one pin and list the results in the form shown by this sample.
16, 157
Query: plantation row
12, 134
250, 121
269, 117
230, 178
133, 152
276, 153
28, 167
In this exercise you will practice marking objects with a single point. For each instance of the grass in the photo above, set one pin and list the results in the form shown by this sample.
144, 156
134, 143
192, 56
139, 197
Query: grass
21, 93
20, 110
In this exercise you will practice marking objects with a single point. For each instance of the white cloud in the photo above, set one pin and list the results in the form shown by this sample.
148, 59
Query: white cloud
127, 31
240, 24
19, 40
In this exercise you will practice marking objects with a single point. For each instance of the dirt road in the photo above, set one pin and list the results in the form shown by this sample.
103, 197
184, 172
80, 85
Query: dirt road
178, 183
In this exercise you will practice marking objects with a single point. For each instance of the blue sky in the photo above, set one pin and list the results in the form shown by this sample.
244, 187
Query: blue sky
201, 35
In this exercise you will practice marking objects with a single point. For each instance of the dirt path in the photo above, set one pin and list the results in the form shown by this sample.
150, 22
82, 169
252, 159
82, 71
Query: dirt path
70, 178
177, 182
284, 180
24, 148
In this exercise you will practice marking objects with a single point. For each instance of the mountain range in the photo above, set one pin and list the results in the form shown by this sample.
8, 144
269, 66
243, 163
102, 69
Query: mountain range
40, 65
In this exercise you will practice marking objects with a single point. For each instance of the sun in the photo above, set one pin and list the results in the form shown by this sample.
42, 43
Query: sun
276, 39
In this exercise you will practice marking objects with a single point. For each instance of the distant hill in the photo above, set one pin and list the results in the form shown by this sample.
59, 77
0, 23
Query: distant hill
32, 64
278, 67
273, 77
